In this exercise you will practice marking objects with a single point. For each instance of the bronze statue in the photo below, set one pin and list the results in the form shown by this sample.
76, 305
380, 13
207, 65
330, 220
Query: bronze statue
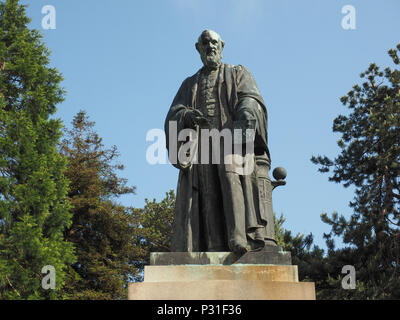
219, 208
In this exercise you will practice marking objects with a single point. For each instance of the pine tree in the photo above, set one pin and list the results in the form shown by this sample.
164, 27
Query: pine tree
369, 161
102, 230
34, 210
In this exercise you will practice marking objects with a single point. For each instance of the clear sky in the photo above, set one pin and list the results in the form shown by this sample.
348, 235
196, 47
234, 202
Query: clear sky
124, 60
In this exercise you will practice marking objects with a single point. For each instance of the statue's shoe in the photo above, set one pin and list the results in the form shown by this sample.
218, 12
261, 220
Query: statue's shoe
239, 250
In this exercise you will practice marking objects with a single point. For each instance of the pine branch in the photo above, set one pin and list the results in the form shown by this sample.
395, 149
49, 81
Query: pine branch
9, 282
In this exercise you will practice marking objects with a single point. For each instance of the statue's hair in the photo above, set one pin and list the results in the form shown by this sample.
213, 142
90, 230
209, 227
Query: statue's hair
208, 31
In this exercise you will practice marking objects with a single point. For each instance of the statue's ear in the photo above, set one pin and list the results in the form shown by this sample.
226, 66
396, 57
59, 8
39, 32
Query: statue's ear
222, 44
197, 47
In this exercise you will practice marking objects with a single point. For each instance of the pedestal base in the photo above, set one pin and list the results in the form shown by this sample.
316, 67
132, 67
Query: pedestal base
221, 276
222, 290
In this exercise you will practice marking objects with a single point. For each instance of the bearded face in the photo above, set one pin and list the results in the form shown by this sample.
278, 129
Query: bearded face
210, 47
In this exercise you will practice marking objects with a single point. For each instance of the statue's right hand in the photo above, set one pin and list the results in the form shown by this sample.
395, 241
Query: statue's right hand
194, 117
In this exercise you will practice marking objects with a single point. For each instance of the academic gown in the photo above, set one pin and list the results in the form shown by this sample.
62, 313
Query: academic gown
237, 91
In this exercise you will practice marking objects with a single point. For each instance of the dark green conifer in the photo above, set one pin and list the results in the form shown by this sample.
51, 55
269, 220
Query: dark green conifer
102, 230
34, 210
370, 162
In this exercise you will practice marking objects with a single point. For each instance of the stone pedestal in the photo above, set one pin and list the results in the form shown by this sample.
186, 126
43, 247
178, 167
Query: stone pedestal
264, 275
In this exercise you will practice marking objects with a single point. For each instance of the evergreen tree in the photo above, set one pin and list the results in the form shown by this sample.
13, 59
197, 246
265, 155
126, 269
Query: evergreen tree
369, 161
313, 265
33, 208
153, 225
102, 230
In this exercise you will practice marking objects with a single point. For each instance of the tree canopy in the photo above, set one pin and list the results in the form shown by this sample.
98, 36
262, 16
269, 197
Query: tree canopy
369, 161
34, 210
102, 230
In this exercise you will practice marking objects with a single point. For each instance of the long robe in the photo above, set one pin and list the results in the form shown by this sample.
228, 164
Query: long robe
237, 91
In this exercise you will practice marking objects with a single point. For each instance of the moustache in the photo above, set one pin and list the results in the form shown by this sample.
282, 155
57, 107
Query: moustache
212, 53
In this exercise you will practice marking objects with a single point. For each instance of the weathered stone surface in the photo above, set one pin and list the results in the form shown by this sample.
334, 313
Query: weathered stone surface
218, 272
222, 290
221, 276
269, 256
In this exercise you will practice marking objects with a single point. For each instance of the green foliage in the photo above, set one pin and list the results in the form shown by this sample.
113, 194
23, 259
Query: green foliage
34, 210
154, 228
102, 230
369, 161
313, 266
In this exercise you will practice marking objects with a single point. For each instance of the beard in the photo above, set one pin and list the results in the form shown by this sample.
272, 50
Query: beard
212, 60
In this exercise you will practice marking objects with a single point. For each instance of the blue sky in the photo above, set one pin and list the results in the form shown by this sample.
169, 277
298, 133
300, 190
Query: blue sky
124, 60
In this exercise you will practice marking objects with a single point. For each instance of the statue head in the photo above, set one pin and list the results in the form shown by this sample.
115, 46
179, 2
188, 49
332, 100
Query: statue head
210, 46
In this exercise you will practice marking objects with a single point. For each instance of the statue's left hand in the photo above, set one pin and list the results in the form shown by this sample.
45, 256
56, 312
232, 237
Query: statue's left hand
245, 115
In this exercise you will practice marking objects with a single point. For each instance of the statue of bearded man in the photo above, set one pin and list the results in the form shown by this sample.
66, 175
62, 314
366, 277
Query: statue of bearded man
219, 208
